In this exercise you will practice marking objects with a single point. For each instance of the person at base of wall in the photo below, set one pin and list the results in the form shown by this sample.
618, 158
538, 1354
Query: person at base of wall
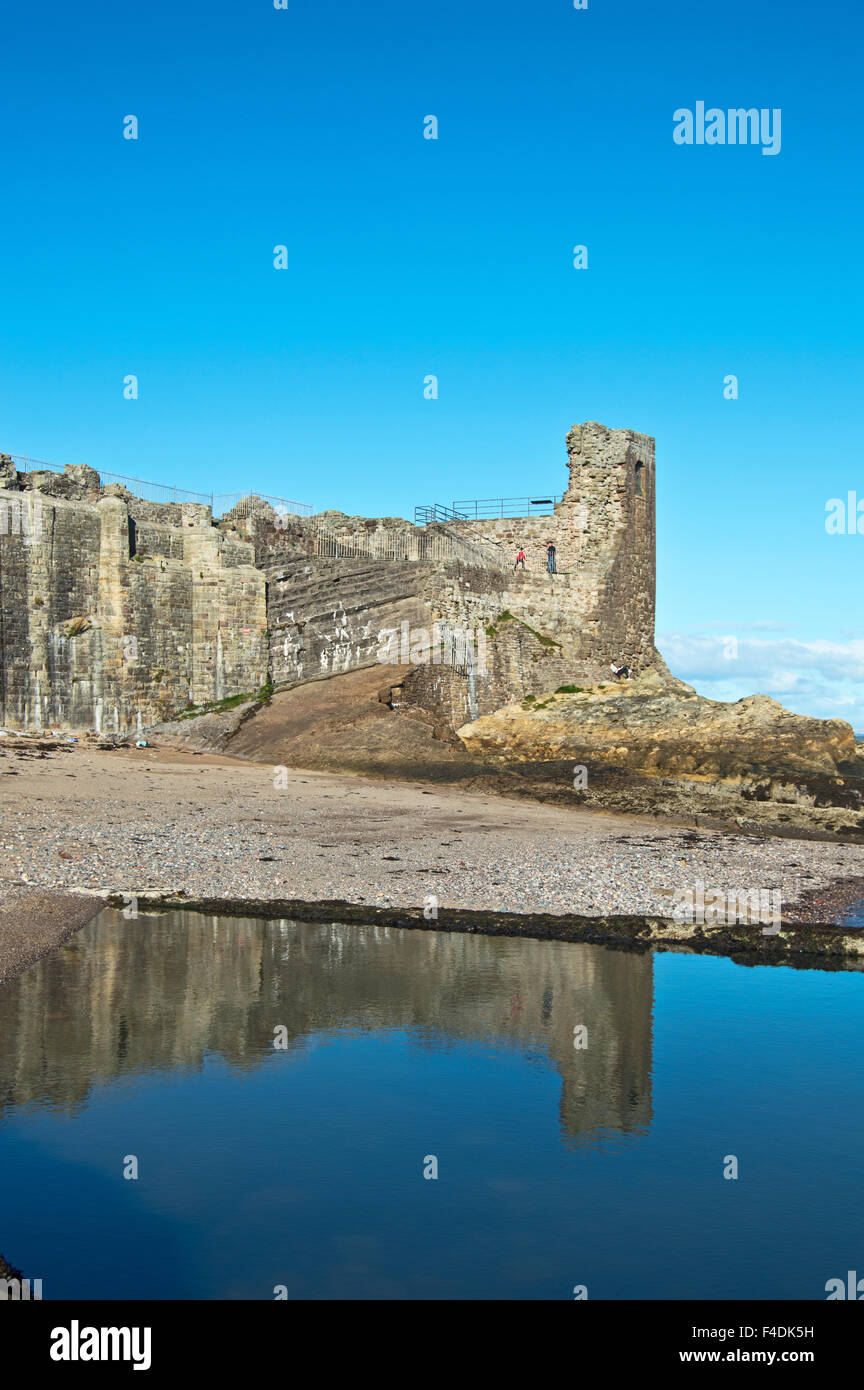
620, 672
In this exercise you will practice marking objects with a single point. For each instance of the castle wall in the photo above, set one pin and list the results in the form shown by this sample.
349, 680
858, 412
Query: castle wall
524, 634
93, 636
116, 612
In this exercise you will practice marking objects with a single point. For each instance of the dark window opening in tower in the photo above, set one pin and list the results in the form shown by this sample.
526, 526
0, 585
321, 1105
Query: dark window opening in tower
640, 474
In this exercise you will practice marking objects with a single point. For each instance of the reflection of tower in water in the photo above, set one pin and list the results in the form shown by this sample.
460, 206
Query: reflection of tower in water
159, 992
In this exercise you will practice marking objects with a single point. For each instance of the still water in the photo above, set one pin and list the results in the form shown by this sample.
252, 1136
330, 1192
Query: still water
853, 916
303, 1166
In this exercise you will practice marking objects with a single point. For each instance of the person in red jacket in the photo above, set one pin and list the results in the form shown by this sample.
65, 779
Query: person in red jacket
520, 560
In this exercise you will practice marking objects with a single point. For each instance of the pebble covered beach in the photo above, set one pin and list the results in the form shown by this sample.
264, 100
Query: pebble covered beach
161, 821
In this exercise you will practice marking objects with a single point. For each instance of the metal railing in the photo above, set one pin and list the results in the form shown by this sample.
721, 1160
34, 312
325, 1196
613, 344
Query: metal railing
487, 509
491, 507
242, 504
434, 542
427, 516
148, 492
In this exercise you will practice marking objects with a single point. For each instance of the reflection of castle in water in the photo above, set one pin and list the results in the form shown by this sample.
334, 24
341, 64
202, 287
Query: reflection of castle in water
160, 992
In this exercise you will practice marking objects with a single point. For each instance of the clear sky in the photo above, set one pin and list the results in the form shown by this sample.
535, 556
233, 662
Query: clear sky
406, 257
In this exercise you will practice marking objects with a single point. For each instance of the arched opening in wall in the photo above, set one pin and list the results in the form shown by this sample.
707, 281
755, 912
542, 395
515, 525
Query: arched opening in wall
640, 476
133, 539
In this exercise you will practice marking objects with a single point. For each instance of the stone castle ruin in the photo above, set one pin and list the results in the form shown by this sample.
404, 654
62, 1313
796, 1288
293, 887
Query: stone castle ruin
117, 613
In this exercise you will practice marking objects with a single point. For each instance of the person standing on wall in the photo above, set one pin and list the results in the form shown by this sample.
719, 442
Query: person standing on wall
550, 558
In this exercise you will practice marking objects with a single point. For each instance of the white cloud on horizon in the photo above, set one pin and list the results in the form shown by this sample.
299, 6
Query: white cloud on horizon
821, 678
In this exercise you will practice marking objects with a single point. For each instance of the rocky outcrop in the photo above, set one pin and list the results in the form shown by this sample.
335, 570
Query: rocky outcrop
207, 730
659, 726
653, 745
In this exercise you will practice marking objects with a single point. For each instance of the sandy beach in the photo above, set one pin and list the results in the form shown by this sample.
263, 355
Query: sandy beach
85, 823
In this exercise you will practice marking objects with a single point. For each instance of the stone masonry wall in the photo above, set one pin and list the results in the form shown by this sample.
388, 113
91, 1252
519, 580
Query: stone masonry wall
115, 612
601, 605
96, 635
522, 635
530, 533
329, 616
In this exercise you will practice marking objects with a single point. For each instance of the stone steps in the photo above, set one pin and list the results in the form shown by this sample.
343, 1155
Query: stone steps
321, 607
314, 593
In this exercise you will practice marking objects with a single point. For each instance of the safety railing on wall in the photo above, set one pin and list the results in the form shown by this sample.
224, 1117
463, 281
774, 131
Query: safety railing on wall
139, 487
490, 508
487, 509
427, 516
241, 503
434, 542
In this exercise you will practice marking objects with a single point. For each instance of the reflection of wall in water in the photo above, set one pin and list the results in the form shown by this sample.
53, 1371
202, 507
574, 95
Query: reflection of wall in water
158, 992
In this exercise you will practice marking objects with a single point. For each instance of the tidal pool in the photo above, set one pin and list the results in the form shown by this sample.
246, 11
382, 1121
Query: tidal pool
282, 1087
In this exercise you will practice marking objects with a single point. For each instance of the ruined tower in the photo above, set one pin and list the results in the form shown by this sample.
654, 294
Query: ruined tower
599, 607
607, 539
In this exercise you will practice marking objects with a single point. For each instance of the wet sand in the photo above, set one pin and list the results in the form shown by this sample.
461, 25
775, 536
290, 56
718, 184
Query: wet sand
34, 922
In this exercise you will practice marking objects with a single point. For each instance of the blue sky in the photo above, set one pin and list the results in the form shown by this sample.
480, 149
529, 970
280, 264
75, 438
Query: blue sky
406, 256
